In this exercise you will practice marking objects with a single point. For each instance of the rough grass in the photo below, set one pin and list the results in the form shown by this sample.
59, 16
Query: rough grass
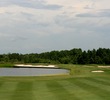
80, 85
85, 70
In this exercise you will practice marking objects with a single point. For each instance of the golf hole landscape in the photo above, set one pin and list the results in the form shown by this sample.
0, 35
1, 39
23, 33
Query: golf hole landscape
54, 49
76, 82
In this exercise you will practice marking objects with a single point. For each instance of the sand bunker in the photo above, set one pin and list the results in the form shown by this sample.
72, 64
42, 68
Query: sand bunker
35, 66
104, 66
97, 71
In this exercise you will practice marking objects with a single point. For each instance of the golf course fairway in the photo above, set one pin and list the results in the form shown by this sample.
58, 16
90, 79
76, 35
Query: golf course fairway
81, 84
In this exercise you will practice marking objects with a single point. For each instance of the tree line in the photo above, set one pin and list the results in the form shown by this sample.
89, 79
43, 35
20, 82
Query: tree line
73, 56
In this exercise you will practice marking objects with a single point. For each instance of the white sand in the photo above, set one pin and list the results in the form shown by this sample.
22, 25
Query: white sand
98, 71
104, 66
23, 65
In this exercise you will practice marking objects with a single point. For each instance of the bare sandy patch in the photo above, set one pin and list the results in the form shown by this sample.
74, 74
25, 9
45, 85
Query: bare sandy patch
36, 66
97, 71
104, 66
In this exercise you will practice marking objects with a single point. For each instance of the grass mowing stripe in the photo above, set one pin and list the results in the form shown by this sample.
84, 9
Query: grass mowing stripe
23, 91
7, 89
59, 91
99, 81
92, 88
41, 91
70, 88
104, 80
77, 92
1, 83
90, 81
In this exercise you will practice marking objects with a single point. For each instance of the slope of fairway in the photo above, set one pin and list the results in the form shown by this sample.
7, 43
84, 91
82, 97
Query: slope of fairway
64, 89
81, 85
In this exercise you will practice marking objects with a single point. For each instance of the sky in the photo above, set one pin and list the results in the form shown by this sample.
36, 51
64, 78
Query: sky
35, 26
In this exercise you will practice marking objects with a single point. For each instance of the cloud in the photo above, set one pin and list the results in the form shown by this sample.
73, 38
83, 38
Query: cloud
87, 7
99, 13
18, 38
84, 25
44, 25
35, 4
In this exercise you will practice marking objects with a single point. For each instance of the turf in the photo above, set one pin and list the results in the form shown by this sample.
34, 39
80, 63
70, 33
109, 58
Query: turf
81, 85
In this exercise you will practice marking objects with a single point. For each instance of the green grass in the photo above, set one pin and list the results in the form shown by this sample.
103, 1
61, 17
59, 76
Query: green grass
6, 65
80, 85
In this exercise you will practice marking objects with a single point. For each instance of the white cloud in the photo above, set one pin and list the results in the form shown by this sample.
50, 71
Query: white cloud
99, 13
35, 4
42, 25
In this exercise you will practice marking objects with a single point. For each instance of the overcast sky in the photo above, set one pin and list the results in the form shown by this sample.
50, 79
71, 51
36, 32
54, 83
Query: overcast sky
35, 26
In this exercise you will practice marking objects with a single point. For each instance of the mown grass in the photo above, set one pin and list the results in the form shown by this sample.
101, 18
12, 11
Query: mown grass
85, 70
6, 65
82, 84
